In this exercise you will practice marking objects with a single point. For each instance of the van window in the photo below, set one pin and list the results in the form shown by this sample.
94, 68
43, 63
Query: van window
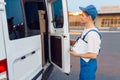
57, 12
20, 25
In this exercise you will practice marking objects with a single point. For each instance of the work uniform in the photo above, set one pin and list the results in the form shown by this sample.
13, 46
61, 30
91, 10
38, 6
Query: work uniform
93, 40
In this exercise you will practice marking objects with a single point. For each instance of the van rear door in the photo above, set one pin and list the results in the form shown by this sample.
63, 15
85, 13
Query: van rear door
59, 34
22, 39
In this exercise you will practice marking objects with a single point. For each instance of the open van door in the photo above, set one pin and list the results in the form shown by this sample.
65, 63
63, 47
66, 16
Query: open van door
23, 39
59, 34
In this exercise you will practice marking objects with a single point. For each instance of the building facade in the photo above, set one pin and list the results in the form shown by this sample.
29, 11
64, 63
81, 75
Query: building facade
108, 17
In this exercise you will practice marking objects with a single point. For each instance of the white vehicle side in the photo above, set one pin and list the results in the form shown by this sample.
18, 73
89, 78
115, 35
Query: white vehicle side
29, 37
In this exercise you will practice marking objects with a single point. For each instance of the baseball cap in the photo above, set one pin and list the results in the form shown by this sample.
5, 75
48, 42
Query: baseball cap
90, 10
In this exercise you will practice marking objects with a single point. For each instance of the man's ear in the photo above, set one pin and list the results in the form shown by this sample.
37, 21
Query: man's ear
90, 18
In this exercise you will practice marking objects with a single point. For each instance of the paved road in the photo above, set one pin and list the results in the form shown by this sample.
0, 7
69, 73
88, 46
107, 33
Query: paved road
109, 61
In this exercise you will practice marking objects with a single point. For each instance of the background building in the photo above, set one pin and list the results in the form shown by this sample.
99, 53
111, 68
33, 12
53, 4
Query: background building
108, 18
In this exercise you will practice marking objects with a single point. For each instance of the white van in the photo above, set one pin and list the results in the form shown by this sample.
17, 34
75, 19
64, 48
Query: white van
33, 37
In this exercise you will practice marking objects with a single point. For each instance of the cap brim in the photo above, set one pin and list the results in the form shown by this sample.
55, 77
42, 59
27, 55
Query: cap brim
82, 9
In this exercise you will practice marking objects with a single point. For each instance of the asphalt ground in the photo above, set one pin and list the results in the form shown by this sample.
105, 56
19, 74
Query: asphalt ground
108, 60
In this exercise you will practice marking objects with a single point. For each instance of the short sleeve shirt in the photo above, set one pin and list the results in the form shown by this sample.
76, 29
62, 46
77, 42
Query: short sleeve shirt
93, 40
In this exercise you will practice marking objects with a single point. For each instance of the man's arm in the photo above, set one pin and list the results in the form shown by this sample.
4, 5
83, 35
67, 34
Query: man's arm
85, 55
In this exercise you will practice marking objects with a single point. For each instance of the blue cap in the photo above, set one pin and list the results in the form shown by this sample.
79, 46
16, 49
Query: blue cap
90, 10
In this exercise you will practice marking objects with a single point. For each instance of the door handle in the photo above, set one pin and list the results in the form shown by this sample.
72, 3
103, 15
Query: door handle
64, 36
33, 52
23, 57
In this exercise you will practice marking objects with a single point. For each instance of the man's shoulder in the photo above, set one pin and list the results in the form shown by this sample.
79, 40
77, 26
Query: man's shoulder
94, 32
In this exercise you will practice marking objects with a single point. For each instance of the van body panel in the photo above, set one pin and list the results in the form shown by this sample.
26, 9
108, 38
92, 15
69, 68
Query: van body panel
2, 47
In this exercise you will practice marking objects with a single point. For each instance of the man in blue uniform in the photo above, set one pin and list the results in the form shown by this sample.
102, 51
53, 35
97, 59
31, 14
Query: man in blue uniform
92, 37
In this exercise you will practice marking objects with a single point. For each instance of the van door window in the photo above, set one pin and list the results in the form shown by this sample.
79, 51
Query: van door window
23, 19
57, 12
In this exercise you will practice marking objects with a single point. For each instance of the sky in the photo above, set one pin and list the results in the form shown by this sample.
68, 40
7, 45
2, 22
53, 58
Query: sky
73, 5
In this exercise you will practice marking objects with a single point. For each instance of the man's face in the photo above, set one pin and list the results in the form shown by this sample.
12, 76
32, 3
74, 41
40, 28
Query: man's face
84, 17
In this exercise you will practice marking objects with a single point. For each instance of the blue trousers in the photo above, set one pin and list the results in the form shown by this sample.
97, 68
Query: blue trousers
88, 69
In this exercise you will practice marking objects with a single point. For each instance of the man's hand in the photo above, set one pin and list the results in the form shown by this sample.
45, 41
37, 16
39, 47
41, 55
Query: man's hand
72, 42
72, 52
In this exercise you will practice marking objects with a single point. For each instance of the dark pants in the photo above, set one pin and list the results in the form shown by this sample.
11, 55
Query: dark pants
88, 69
